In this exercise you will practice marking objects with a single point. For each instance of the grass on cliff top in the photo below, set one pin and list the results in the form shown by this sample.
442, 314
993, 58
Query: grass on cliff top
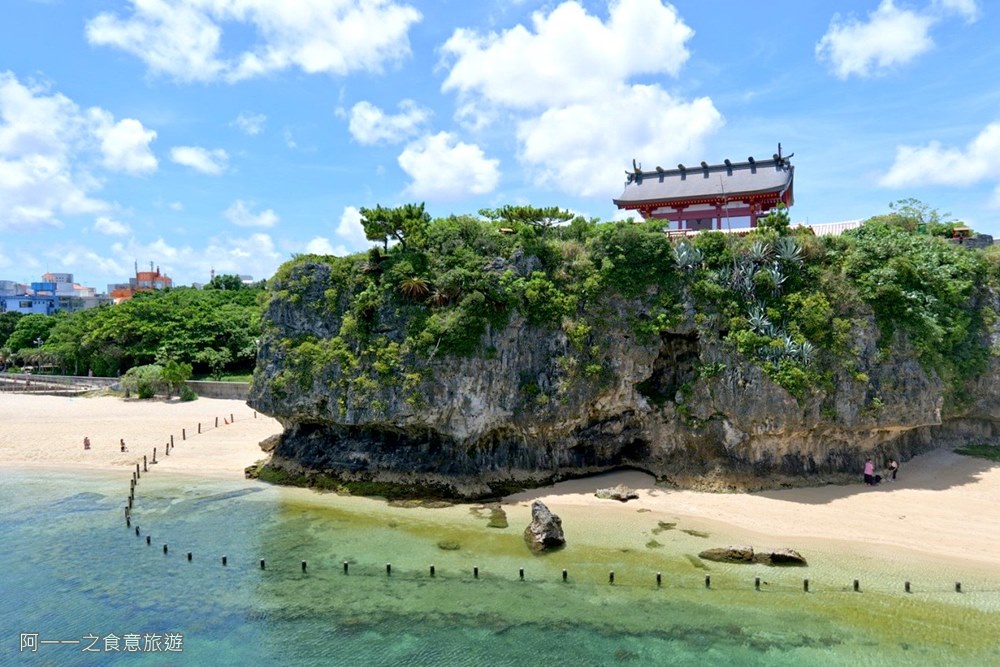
990, 452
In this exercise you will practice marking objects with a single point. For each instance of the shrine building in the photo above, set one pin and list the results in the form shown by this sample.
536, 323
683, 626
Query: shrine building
704, 197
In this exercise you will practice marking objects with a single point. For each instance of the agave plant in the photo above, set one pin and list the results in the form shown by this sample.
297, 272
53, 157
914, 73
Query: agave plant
790, 347
777, 277
807, 353
687, 256
759, 251
759, 322
789, 250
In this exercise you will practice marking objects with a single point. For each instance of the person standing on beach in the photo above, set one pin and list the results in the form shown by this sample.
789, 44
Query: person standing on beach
869, 472
86, 442
893, 467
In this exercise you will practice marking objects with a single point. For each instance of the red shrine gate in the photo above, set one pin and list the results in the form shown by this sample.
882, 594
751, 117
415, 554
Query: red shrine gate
709, 196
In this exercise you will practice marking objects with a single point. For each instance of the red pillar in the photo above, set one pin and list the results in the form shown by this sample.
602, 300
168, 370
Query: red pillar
753, 214
718, 216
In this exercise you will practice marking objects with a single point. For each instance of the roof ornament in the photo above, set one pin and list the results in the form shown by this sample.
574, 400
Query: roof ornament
637, 168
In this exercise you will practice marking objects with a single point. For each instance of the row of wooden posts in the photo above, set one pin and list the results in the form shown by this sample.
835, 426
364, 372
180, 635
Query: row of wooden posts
136, 476
520, 573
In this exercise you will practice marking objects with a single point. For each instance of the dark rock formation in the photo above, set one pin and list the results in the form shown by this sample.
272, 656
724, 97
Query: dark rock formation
545, 531
780, 557
732, 554
517, 414
745, 554
621, 493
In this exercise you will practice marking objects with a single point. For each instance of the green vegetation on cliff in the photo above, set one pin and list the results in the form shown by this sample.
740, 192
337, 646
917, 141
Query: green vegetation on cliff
791, 303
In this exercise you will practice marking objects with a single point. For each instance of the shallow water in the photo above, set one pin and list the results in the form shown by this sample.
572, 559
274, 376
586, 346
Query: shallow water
71, 568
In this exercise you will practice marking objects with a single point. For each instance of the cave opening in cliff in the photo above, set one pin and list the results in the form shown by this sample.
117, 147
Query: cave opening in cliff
676, 366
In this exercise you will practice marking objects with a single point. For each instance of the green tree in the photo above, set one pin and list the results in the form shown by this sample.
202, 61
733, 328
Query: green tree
216, 360
226, 282
777, 220
529, 215
144, 381
174, 375
8, 321
30, 331
402, 223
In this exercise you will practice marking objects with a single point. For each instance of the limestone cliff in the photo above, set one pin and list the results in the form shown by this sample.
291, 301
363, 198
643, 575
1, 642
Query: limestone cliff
537, 402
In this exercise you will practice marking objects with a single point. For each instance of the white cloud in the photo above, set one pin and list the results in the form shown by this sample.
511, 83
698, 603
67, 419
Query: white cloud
567, 84
250, 123
371, 125
581, 148
322, 246
255, 254
350, 230
111, 227
891, 37
125, 144
46, 142
444, 168
968, 9
212, 162
289, 138
240, 213
934, 164
569, 55
175, 206
183, 38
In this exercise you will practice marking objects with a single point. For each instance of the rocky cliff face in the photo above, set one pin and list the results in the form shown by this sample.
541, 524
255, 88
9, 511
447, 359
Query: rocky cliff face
681, 406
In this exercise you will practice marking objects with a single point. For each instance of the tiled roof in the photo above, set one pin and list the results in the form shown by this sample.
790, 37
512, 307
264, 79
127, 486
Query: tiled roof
708, 181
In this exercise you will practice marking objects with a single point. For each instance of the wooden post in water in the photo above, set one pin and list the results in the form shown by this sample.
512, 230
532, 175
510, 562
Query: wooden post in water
154, 454
857, 586
189, 556
303, 566
223, 561
659, 579
805, 585
137, 475
137, 531
520, 573
432, 570
388, 569
345, 567
756, 583
164, 548
262, 563
708, 581
475, 572
958, 586
565, 575
149, 540
144, 468
906, 586
611, 577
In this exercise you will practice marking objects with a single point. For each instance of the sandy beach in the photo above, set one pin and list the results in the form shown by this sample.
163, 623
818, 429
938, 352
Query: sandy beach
48, 431
943, 505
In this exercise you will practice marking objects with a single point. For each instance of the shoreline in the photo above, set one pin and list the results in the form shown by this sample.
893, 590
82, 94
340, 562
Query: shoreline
940, 510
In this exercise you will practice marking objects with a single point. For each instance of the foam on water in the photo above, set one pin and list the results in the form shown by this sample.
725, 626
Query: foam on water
72, 568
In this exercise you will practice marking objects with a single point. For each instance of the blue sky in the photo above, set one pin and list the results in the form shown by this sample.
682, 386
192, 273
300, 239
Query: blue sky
232, 134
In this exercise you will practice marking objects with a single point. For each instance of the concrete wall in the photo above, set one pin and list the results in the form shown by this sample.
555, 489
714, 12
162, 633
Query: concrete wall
236, 390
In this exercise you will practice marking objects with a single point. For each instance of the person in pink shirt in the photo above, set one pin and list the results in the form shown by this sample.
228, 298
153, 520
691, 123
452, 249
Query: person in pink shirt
869, 472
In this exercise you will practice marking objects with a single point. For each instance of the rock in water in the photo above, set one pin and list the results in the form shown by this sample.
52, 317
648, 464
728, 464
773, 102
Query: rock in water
740, 554
545, 530
780, 557
620, 492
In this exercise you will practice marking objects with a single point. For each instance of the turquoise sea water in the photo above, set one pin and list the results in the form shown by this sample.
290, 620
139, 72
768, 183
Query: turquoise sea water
69, 568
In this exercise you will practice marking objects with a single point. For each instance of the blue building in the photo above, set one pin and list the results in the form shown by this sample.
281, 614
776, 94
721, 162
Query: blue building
29, 304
